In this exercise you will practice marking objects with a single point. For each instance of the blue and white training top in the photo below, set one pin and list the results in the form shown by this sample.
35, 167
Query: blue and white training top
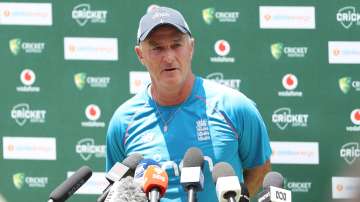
220, 121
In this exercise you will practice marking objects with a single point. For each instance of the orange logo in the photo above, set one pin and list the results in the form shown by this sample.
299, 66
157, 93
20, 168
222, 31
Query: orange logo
11, 148
267, 17
336, 52
6, 13
339, 187
137, 82
72, 48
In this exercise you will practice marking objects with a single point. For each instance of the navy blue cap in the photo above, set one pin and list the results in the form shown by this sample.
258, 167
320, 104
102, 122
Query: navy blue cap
161, 16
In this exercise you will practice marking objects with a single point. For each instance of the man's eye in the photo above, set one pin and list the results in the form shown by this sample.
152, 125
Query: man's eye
157, 48
177, 45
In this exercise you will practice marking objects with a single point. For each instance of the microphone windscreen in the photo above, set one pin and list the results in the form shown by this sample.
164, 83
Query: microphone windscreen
126, 190
133, 160
193, 158
222, 169
71, 184
273, 179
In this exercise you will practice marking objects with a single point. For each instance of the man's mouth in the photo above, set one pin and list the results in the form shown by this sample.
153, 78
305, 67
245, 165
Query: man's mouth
170, 69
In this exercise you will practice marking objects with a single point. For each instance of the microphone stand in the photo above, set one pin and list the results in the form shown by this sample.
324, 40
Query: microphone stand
230, 196
192, 194
154, 195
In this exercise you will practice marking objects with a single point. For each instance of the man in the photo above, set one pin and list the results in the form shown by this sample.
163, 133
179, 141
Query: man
179, 110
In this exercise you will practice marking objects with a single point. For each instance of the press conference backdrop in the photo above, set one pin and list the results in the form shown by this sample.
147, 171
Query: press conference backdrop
67, 65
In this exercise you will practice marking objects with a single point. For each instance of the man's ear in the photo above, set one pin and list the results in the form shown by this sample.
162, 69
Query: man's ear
139, 53
192, 44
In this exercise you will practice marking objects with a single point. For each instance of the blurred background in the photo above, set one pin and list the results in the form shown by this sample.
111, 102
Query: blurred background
67, 65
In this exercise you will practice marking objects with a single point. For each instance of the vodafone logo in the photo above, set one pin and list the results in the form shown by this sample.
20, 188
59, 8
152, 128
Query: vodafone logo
222, 47
355, 116
27, 77
289, 81
92, 112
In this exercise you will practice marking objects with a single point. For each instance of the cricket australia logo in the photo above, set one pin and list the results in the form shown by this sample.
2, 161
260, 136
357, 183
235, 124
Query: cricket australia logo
350, 152
282, 117
86, 148
202, 130
82, 13
348, 16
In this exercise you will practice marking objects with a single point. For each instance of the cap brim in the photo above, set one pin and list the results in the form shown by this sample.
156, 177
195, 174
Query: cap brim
145, 34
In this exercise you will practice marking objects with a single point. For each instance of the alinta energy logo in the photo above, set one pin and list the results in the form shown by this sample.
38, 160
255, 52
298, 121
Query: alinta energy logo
279, 49
290, 82
350, 152
20, 179
355, 119
222, 49
346, 83
22, 113
82, 14
218, 77
210, 14
86, 148
17, 45
17, 13
27, 78
348, 16
282, 117
81, 79
92, 113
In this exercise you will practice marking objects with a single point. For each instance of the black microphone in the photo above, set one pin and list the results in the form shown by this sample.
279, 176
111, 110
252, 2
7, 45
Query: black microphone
119, 171
124, 169
227, 183
126, 190
245, 196
70, 185
192, 177
273, 189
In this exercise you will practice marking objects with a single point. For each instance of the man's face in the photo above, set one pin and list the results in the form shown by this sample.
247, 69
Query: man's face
167, 55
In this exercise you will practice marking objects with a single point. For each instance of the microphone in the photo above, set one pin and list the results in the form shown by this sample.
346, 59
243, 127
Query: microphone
245, 196
70, 185
126, 190
227, 183
119, 171
124, 169
192, 177
141, 168
273, 189
155, 183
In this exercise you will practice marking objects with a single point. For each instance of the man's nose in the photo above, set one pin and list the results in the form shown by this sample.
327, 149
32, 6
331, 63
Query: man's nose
169, 55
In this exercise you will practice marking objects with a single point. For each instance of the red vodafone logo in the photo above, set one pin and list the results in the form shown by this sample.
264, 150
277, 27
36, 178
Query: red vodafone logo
92, 112
290, 82
222, 47
27, 77
355, 116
